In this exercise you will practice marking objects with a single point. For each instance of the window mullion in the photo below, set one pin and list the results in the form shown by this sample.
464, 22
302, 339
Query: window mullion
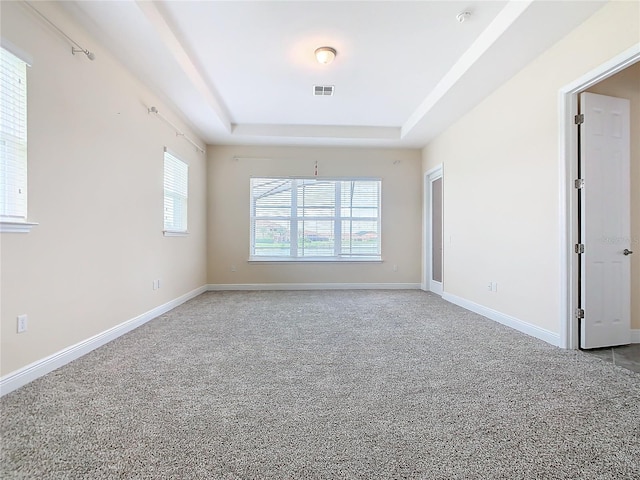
351, 193
379, 219
337, 223
252, 226
294, 219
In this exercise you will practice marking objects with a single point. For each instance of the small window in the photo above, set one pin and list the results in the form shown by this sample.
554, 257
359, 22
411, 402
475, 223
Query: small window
13, 144
176, 195
315, 219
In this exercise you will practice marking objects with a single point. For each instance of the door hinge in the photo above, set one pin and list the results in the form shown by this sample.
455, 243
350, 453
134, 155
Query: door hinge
578, 183
579, 248
579, 313
579, 119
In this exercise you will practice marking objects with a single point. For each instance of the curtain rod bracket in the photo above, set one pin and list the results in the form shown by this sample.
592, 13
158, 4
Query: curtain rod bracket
178, 132
90, 55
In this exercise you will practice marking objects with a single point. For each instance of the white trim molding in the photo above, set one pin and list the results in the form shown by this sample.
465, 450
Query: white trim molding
428, 284
16, 227
21, 377
504, 319
568, 212
271, 260
635, 336
313, 286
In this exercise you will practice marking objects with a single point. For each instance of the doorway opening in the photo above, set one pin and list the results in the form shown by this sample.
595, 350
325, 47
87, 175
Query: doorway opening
433, 231
570, 232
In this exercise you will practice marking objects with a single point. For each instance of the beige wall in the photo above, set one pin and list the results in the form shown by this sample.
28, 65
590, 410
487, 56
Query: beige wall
95, 160
501, 176
229, 171
626, 84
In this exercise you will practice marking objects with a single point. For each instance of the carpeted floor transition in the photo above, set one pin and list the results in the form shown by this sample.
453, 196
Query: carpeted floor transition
325, 384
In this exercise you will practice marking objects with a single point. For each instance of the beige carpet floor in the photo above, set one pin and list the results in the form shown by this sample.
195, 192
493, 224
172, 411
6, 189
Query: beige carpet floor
325, 385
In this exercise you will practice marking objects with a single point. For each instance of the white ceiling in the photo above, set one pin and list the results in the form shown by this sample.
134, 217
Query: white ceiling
242, 72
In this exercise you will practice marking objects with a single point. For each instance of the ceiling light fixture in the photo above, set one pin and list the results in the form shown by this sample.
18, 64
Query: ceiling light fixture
325, 55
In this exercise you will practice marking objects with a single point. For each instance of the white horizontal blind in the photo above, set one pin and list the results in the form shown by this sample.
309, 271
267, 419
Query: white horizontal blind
271, 207
316, 218
176, 193
310, 217
13, 138
360, 214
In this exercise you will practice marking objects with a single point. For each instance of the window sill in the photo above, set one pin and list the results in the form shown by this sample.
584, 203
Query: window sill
169, 233
16, 227
314, 260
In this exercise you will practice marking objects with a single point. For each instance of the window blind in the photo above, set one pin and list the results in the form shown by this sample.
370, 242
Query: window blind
360, 205
310, 217
176, 193
13, 138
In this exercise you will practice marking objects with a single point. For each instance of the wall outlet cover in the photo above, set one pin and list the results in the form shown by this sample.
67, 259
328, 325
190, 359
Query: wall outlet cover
22, 323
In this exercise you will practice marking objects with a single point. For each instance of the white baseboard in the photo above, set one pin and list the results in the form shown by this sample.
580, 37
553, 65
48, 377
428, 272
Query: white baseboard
509, 321
635, 336
17, 379
313, 286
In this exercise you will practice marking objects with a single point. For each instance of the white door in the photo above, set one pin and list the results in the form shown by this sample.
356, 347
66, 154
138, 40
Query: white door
435, 229
605, 293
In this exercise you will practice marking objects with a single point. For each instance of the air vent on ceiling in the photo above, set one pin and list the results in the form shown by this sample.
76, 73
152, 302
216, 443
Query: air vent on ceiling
322, 90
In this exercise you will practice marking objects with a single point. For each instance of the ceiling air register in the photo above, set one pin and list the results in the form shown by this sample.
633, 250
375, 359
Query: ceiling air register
323, 90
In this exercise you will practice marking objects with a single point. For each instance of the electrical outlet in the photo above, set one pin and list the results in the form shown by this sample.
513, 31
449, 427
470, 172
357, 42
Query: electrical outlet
22, 323
233, 268
395, 268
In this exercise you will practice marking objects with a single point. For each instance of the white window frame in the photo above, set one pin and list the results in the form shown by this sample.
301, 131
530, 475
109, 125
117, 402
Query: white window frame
13, 143
176, 195
337, 218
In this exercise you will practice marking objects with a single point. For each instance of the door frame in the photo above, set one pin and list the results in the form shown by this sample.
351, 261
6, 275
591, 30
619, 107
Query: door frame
432, 174
568, 144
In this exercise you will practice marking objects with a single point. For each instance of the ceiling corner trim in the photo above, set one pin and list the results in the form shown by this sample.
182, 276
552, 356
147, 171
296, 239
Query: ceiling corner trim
500, 24
193, 73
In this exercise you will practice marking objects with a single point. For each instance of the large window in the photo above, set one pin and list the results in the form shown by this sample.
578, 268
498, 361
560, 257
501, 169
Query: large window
176, 195
13, 143
305, 218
